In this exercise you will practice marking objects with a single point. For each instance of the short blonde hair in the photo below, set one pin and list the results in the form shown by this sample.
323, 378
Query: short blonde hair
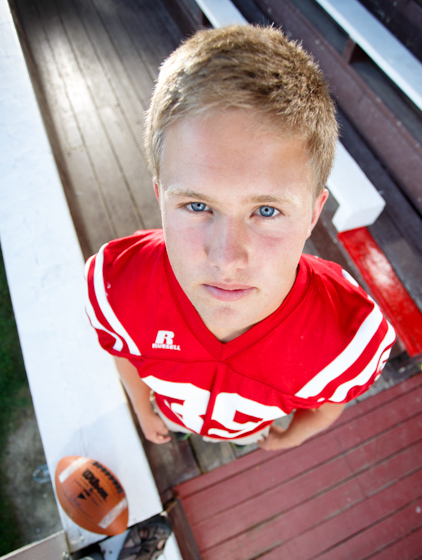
246, 67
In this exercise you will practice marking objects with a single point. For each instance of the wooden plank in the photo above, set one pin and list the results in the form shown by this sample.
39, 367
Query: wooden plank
133, 168
87, 61
318, 490
382, 398
130, 62
381, 45
259, 459
143, 25
211, 455
355, 519
403, 18
106, 33
378, 537
406, 262
274, 535
124, 124
89, 91
312, 453
387, 287
85, 201
386, 444
323, 481
183, 533
171, 463
408, 548
101, 159
54, 546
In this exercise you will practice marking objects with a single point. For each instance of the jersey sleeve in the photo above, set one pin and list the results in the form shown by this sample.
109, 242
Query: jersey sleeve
354, 370
112, 334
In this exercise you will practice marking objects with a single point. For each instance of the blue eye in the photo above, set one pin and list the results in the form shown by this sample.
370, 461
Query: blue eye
197, 206
267, 211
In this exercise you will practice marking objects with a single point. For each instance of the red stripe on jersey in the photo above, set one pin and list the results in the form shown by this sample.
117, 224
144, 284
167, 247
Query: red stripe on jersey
386, 287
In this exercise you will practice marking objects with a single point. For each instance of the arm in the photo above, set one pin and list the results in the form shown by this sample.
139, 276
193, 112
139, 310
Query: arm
305, 423
139, 393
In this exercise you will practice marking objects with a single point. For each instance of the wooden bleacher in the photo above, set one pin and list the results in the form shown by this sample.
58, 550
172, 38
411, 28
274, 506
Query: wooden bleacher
93, 64
354, 491
381, 45
80, 405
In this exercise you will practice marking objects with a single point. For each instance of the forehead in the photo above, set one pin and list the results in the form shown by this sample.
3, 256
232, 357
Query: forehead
227, 148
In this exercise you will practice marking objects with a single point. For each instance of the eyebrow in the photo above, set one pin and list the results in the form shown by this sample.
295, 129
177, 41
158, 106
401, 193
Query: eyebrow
179, 192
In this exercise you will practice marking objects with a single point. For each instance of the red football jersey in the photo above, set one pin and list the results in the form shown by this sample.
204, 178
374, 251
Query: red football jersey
327, 342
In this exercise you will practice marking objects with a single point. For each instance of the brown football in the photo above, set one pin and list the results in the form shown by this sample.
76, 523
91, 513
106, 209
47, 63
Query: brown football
91, 495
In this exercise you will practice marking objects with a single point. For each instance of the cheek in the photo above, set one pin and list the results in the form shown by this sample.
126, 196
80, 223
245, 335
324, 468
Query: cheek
184, 242
281, 253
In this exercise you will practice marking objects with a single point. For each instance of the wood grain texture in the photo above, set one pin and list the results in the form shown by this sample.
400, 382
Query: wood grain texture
364, 472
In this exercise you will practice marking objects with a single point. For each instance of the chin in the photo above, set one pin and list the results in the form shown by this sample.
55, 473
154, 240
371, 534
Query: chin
224, 318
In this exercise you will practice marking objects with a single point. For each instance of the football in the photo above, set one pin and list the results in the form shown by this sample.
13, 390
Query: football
91, 495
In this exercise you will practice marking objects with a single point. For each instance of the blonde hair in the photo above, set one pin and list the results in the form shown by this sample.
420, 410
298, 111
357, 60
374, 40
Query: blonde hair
246, 67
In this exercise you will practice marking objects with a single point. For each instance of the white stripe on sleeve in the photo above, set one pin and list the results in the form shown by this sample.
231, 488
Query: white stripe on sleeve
341, 391
347, 358
118, 345
105, 306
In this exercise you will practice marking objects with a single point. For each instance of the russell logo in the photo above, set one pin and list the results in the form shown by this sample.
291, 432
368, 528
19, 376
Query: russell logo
164, 339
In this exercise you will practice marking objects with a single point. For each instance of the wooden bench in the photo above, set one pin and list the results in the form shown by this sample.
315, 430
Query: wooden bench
360, 203
79, 402
397, 62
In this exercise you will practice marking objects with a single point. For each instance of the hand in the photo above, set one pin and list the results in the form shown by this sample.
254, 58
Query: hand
154, 428
277, 439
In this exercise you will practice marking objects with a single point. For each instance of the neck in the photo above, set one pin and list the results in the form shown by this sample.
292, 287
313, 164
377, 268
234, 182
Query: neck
226, 335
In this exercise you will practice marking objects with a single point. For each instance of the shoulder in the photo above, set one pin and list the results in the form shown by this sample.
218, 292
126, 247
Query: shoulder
345, 312
350, 333
333, 287
118, 281
127, 256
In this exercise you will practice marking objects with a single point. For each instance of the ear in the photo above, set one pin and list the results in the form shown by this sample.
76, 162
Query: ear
318, 206
157, 191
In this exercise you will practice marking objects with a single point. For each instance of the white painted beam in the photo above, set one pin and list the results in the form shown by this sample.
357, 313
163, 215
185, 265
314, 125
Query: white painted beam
80, 406
51, 548
360, 203
381, 46
221, 12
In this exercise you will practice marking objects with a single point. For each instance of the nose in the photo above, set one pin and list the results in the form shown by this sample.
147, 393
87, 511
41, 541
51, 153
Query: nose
228, 244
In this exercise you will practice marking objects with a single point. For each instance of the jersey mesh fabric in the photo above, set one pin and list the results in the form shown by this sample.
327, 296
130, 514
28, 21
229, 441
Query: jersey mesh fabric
328, 341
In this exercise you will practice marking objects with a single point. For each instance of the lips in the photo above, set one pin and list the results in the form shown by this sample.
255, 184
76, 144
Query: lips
228, 292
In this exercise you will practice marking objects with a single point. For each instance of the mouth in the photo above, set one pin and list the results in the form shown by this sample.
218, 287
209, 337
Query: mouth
228, 292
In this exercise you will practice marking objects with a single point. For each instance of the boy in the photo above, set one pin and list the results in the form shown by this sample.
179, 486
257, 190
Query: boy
220, 315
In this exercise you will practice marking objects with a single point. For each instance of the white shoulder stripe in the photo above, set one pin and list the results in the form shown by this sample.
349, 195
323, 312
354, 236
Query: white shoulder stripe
347, 358
118, 345
341, 391
87, 266
105, 306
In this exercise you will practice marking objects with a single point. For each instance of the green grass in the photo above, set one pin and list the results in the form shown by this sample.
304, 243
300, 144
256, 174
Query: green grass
15, 400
